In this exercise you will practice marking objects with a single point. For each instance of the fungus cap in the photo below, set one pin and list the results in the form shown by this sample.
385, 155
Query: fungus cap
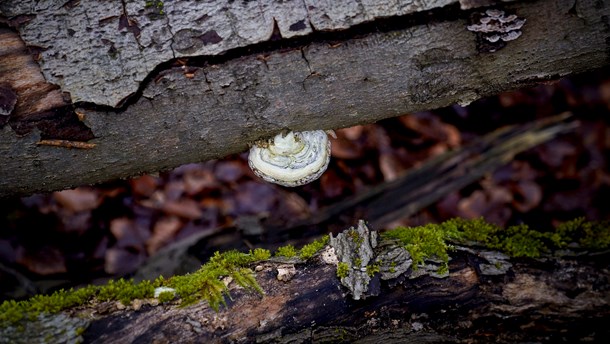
291, 159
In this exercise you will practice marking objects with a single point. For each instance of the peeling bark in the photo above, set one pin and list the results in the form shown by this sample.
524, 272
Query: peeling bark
214, 105
28, 101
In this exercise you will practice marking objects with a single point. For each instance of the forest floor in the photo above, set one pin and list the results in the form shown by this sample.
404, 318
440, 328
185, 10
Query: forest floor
67, 238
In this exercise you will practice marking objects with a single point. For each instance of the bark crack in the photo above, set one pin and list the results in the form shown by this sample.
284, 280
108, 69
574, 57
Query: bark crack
172, 35
131, 25
311, 72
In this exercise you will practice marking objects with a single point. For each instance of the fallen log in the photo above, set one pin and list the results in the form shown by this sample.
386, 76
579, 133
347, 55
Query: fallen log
386, 292
151, 88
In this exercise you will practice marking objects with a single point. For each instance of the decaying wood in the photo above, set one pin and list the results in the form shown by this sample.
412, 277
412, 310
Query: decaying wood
214, 105
486, 297
28, 100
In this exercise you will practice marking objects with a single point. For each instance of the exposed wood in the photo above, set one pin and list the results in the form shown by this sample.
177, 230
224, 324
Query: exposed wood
36, 103
214, 106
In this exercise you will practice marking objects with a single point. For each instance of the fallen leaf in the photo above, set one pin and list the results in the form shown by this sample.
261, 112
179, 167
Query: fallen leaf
79, 199
128, 234
47, 260
185, 207
528, 195
144, 186
164, 231
195, 181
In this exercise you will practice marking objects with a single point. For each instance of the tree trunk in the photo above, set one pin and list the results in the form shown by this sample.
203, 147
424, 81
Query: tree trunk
130, 101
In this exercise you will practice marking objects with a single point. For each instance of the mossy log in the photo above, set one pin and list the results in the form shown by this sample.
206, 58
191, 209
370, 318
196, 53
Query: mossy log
120, 88
387, 292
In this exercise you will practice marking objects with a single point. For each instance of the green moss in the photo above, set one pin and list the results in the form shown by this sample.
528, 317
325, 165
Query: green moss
287, 251
591, 235
342, 269
310, 249
356, 238
125, 291
372, 269
306, 252
430, 241
433, 240
260, 254
156, 7
166, 296
204, 284
423, 242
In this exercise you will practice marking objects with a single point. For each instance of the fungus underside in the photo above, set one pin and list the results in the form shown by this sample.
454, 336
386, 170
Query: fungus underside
423, 242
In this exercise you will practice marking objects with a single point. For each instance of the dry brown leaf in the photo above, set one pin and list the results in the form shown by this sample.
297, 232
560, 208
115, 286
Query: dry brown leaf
528, 195
195, 181
164, 231
79, 199
144, 186
253, 198
185, 207
47, 260
128, 233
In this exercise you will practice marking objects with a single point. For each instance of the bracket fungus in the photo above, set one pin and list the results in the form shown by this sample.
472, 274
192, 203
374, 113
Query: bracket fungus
291, 159
495, 28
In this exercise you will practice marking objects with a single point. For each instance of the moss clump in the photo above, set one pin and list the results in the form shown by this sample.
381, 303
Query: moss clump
204, 284
125, 291
155, 5
342, 269
166, 296
287, 251
592, 235
424, 242
372, 269
310, 249
260, 254
433, 240
306, 252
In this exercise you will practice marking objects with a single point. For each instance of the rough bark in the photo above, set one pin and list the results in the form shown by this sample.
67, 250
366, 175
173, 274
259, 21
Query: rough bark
215, 104
486, 297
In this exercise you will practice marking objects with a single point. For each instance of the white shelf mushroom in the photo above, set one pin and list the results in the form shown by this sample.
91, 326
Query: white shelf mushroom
291, 159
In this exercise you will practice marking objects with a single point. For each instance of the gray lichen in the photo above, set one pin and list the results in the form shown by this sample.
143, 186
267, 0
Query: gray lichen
55, 328
354, 247
368, 259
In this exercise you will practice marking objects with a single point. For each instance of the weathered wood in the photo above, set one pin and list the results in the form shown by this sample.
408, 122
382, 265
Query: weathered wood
37, 103
216, 105
100, 51
546, 300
